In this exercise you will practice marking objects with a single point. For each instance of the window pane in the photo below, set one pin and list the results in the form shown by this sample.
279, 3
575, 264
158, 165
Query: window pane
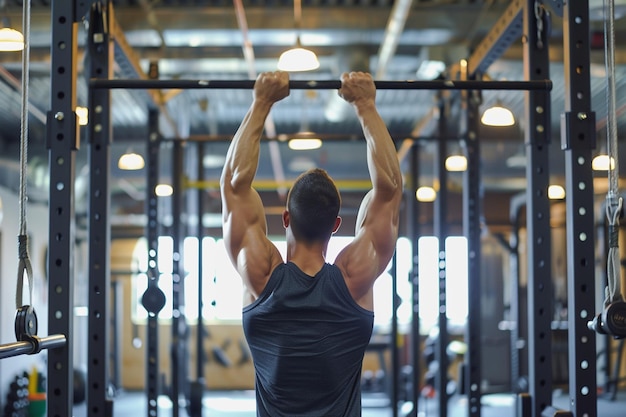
190, 263
428, 249
456, 279
404, 256
228, 288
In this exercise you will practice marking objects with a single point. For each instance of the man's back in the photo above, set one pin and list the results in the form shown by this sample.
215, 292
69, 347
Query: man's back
307, 337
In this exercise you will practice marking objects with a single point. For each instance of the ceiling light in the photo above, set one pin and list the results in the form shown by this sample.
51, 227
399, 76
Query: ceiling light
130, 161
298, 59
163, 190
601, 163
456, 163
83, 115
426, 194
11, 40
498, 116
305, 144
556, 192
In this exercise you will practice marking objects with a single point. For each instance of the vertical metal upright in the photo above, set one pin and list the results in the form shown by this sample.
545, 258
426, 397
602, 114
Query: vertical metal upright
392, 379
200, 355
518, 306
578, 141
62, 142
178, 279
537, 140
414, 233
152, 234
441, 231
100, 134
472, 209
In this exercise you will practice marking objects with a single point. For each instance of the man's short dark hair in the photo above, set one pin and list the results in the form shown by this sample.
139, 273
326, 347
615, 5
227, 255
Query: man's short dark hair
313, 203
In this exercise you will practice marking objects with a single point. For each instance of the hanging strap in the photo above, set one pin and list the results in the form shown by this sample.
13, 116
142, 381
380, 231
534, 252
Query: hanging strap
612, 292
614, 203
24, 261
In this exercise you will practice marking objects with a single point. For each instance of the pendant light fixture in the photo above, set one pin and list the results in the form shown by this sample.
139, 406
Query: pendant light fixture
498, 115
130, 161
10, 39
298, 58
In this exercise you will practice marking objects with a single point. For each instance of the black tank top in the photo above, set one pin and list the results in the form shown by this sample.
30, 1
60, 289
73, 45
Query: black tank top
307, 337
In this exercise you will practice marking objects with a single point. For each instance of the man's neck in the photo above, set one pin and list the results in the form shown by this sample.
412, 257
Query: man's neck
308, 257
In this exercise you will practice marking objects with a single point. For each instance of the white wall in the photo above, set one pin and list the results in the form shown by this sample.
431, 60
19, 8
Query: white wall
37, 228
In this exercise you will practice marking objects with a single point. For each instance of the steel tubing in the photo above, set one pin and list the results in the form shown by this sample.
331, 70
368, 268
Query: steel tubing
323, 84
30, 347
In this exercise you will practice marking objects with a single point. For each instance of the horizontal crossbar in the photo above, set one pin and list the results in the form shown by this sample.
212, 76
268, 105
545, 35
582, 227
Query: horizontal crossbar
323, 84
30, 347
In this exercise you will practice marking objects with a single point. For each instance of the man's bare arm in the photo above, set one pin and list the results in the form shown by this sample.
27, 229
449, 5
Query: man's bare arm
377, 222
243, 216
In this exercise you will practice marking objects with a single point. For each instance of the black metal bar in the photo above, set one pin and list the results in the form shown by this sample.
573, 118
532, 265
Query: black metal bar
578, 141
524, 406
63, 141
392, 378
323, 84
152, 235
178, 344
117, 335
537, 139
200, 356
100, 136
441, 231
414, 233
472, 211
10, 350
518, 316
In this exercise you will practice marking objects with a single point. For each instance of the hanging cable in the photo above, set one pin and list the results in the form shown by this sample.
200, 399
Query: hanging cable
28, 343
25, 318
611, 319
613, 201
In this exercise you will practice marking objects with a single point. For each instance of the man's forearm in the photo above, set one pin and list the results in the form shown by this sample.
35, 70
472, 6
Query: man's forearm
242, 159
382, 158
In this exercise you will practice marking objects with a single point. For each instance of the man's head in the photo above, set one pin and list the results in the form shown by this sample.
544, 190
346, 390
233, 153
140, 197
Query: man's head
313, 204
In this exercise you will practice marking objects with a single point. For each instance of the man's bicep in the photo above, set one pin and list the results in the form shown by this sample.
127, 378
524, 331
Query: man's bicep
241, 212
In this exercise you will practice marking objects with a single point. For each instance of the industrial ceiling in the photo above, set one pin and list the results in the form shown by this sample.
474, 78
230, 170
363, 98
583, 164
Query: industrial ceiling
216, 39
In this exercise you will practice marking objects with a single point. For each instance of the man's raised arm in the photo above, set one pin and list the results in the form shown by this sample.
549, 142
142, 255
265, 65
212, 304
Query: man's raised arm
243, 216
377, 221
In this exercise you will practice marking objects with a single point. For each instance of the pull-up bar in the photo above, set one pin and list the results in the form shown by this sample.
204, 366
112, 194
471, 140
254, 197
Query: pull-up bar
33, 345
323, 84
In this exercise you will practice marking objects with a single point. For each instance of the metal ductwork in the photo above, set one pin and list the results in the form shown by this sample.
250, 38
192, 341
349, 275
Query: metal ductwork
358, 60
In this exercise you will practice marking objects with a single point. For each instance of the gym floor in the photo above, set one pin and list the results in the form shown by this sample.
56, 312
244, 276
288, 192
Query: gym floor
242, 404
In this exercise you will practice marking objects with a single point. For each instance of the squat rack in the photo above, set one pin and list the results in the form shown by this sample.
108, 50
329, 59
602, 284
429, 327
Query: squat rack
63, 141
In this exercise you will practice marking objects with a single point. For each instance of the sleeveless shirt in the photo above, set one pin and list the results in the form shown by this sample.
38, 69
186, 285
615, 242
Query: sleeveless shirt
307, 337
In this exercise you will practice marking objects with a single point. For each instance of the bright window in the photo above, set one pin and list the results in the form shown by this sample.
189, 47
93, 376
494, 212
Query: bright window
456, 281
222, 290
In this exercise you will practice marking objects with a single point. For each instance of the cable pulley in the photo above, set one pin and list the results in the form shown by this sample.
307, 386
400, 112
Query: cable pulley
25, 323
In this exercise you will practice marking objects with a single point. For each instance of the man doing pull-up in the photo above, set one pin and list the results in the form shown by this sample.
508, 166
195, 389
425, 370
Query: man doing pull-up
308, 322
